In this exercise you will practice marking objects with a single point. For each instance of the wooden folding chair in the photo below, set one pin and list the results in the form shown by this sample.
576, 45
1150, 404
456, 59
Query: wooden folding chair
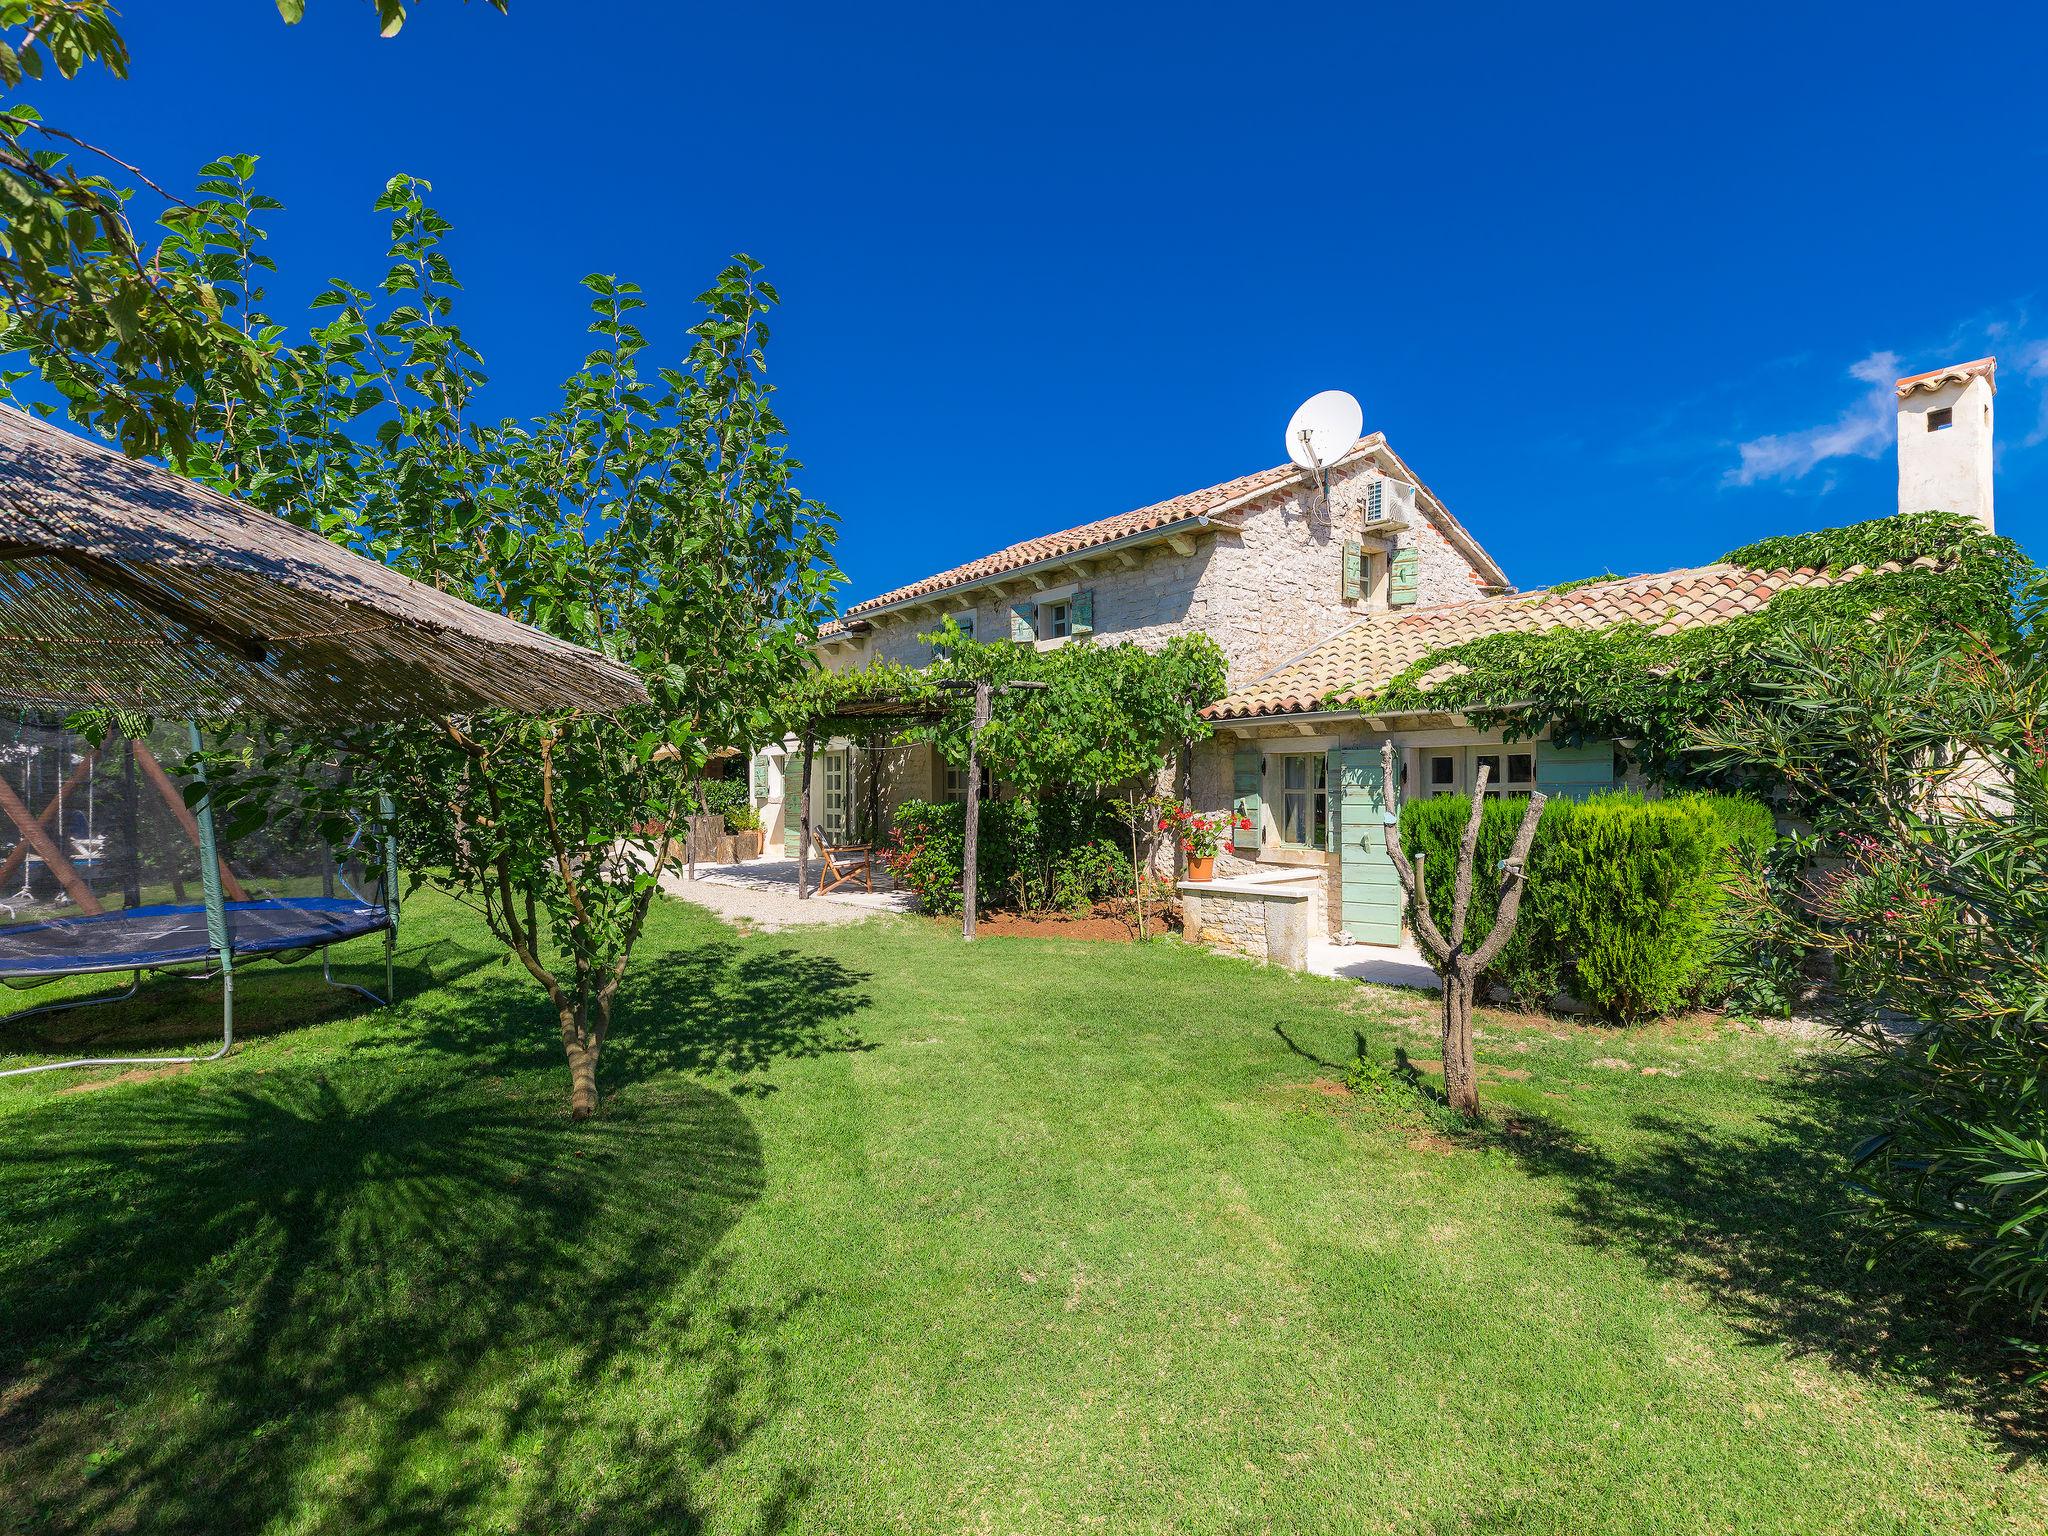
854, 861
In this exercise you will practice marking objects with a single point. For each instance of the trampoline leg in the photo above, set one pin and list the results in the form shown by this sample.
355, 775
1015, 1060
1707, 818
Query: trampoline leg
227, 1035
134, 984
327, 975
390, 972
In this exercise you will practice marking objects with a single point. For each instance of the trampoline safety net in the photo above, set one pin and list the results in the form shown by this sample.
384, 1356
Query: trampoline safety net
101, 864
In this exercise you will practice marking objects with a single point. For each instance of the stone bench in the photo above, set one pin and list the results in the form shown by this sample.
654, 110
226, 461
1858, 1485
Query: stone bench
1263, 917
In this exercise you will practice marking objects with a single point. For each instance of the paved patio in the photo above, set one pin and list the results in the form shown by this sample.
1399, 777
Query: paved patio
763, 891
1398, 965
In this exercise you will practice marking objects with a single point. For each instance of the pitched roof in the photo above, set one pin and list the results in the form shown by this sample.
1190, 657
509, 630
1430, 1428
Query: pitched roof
1373, 651
1216, 502
1958, 373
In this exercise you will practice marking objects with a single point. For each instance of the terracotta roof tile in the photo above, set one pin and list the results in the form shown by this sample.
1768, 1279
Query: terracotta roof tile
1961, 373
1373, 651
1162, 514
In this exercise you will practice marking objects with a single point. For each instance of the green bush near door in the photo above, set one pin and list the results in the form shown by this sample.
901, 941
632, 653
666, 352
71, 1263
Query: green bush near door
1627, 905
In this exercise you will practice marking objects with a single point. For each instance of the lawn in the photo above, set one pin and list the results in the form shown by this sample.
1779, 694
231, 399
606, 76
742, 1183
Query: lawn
877, 1233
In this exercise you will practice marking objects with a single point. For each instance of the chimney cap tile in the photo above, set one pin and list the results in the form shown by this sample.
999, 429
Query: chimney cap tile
1985, 368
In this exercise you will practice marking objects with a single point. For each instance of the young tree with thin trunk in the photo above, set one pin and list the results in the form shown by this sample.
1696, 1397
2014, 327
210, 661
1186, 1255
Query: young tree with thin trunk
651, 516
1448, 957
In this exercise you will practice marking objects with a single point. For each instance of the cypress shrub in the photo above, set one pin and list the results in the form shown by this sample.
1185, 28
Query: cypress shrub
1627, 905
1530, 968
1633, 891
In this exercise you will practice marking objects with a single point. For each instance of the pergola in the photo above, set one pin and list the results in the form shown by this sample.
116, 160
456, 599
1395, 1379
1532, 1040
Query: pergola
859, 713
862, 699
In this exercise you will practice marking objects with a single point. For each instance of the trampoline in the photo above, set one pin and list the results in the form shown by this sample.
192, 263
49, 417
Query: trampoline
107, 850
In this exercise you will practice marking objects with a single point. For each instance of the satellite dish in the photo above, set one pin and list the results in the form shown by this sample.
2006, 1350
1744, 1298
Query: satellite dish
1323, 430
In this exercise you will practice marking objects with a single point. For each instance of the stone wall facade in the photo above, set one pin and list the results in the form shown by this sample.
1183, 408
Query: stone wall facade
1264, 590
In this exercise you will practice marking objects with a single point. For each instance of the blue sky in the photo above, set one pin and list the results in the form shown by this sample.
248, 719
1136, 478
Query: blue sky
1624, 285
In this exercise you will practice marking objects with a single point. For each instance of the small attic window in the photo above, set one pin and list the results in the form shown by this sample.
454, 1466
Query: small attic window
1942, 419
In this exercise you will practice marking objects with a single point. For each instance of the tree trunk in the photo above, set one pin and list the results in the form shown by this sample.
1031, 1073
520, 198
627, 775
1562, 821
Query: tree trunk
1461, 1071
582, 1045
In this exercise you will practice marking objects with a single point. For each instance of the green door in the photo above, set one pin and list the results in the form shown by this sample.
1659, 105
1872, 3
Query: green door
1372, 891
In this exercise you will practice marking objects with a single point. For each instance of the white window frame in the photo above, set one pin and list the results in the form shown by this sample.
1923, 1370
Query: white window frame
1041, 610
963, 618
1317, 765
1465, 759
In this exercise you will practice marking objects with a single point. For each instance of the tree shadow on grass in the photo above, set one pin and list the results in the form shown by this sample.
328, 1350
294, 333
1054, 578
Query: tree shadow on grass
377, 1301
1757, 1220
721, 1008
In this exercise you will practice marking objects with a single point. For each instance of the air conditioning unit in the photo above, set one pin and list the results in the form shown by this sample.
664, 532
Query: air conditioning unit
1389, 503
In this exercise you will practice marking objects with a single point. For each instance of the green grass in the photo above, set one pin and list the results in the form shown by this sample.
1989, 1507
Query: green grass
877, 1233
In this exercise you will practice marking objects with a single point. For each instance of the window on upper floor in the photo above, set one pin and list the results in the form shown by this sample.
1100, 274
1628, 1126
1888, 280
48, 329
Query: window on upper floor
964, 622
1055, 620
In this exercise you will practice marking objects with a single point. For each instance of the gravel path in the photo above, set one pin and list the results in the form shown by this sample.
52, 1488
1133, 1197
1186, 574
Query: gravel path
762, 894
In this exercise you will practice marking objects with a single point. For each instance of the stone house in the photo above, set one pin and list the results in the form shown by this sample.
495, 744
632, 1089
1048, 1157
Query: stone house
1308, 593
1260, 563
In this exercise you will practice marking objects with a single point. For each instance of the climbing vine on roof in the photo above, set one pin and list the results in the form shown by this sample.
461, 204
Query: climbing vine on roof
1626, 683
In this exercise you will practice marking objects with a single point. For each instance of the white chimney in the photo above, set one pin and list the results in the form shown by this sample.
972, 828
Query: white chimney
1945, 440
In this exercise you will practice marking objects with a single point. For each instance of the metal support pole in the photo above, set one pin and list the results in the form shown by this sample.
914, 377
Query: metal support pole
390, 813
210, 866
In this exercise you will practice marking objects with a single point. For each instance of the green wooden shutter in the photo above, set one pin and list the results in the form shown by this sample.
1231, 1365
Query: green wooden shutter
1081, 612
1574, 772
760, 776
1373, 903
1024, 622
1354, 569
792, 801
1401, 576
1247, 801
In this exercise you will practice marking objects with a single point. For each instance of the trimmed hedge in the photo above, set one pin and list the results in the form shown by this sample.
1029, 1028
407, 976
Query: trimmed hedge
1627, 905
1063, 855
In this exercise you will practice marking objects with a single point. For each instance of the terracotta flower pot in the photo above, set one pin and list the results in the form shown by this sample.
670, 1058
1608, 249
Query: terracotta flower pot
1200, 868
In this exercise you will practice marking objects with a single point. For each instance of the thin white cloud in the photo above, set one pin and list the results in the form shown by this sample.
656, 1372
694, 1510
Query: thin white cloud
1865, 430
2031, 362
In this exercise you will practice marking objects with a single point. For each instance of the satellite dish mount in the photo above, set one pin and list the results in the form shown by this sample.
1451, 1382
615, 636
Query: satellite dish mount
1324, 428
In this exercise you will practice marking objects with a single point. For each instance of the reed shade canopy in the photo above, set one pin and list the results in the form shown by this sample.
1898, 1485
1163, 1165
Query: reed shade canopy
123, 585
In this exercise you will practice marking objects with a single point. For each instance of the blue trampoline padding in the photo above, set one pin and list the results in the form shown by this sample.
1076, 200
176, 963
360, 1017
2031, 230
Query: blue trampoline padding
138, 938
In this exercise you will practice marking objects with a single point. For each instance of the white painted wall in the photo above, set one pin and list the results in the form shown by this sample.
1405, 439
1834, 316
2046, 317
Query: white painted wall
1947, 470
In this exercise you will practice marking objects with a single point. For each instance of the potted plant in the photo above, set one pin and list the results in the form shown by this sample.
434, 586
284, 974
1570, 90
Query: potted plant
743, 826
1199, 836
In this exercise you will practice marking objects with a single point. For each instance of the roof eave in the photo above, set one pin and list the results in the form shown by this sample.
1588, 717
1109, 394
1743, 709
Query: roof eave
1194, 523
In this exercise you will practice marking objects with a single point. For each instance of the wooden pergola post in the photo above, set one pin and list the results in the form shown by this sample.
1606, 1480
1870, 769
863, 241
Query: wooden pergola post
969, 874
803, 830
